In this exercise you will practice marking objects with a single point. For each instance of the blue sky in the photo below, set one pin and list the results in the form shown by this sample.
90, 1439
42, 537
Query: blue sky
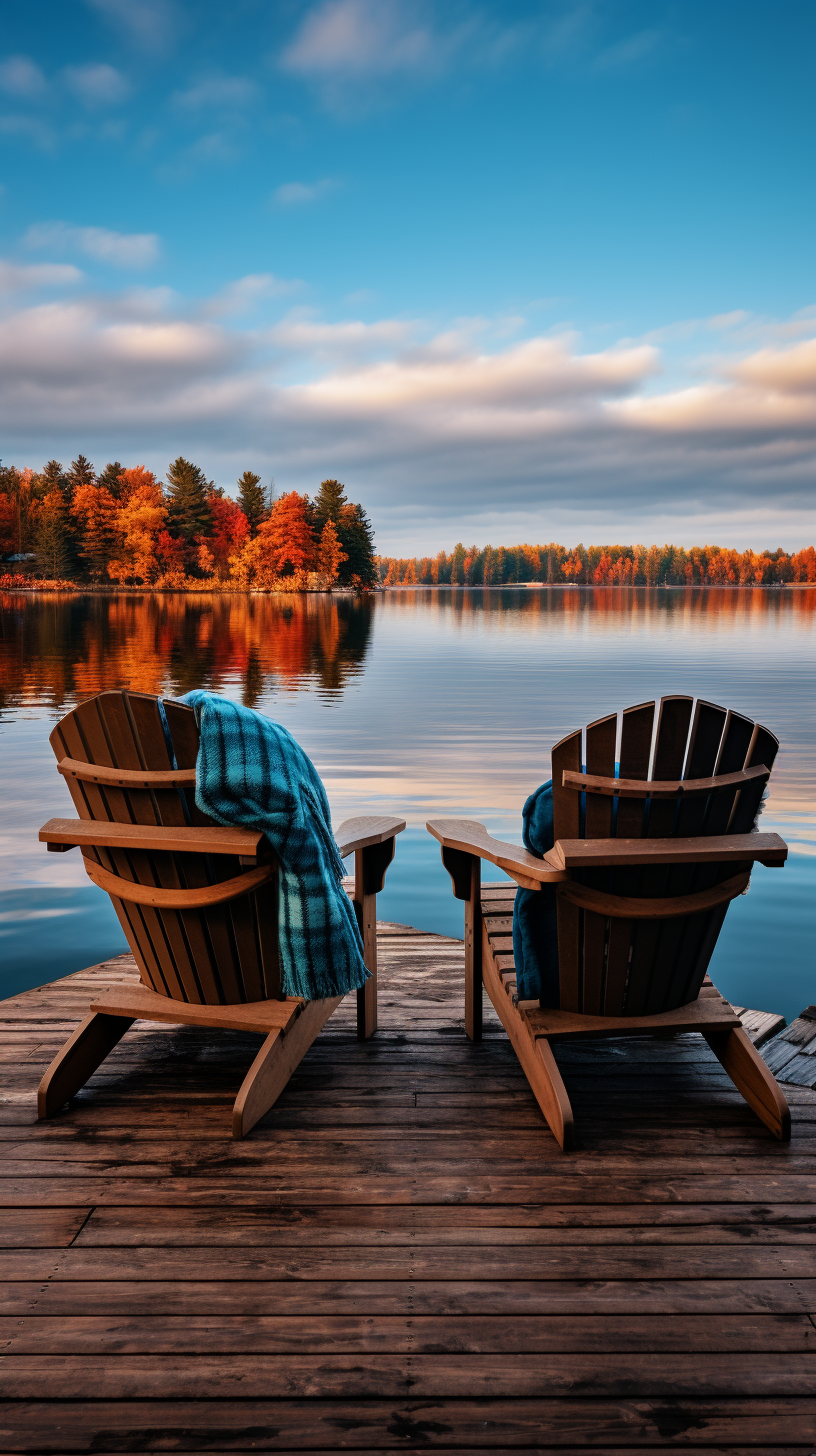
511, 271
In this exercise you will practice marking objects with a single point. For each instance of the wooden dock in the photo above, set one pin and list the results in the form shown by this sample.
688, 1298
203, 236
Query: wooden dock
399, 1257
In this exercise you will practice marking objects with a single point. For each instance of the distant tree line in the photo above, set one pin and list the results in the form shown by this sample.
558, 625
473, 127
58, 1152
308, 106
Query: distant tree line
600, 566
124, 526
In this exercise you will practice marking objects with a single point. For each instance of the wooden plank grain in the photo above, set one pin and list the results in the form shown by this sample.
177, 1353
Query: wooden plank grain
412, 1334
441, 1376
368, 1297
285, 1425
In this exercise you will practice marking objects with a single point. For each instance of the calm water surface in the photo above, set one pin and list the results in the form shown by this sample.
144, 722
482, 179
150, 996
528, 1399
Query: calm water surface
426, 702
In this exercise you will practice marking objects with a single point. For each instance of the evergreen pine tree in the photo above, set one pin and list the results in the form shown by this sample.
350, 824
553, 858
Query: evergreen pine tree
110, 478
52, 477
188, 500
458, 568
55, 537
330, 502
81, 473
357, 540
252, 500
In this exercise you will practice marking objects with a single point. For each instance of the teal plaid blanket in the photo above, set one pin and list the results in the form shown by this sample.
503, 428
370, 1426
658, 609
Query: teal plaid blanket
250, 771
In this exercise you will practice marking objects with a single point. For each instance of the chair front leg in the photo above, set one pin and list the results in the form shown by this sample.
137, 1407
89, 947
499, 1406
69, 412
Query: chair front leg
370, 865
465, 871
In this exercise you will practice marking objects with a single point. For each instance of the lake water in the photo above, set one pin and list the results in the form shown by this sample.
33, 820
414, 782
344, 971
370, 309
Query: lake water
419, 702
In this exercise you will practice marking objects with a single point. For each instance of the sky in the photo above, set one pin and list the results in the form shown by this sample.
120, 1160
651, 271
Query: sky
510, 271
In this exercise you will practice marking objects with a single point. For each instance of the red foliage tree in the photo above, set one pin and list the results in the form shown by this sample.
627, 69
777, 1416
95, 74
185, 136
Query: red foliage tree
230, 529
287, 536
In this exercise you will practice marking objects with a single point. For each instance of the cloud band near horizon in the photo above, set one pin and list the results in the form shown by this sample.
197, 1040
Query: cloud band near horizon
444, 434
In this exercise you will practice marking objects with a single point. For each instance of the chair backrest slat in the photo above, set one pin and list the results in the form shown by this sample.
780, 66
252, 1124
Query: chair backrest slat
567, 825
671, 739
601, 740
223, 954
637, 725
614, 966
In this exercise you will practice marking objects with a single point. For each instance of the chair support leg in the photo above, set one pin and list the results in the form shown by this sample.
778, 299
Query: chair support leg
551, 1096
82, 1054
535, 1054
277, 1059
473, 953
752, 1078
366, 910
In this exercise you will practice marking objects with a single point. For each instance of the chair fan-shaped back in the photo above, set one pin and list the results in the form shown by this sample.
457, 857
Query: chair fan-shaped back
223, 954
615, 966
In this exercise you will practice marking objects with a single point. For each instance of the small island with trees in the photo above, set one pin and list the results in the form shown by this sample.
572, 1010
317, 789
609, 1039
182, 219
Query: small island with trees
126, 528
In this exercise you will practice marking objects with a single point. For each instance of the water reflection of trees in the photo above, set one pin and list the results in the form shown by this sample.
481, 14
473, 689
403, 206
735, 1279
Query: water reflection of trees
59, 648
641, 608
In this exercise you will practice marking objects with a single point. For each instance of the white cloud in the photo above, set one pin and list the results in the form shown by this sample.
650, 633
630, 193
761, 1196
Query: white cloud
31, 127
303, 334
359, 37
221, 91
20, 76
627, 52
443, 435
22, 278
152, 24
244, 295
300, 194
781, 370
96, 85
119, 250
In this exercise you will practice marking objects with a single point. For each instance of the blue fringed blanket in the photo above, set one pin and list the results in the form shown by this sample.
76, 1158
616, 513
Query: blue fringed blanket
250, 771
535, 921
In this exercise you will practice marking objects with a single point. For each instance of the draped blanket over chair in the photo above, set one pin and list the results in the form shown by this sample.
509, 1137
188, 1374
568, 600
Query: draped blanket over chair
197, 901
645, 863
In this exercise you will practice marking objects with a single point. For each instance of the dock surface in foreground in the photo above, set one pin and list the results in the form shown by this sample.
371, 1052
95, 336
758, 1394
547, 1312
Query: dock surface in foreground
399, 1256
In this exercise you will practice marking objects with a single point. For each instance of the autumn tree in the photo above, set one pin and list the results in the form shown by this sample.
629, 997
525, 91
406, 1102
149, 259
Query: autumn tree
330, 554
252, 500
230, 527
21, 488
287, 535
139, 521
94, 509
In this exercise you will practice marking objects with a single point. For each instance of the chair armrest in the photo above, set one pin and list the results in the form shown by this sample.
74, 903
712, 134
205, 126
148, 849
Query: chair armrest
366, 830
577, 854
61, 834
468, 837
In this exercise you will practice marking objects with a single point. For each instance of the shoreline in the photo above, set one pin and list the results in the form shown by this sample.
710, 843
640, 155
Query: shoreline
140, 591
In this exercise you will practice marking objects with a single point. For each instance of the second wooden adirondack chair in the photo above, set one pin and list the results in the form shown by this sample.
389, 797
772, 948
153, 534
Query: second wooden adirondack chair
197, 902
644, 869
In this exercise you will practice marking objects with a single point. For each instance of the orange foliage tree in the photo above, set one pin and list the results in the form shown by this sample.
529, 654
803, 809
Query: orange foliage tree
330, 554
287, 536
140, 518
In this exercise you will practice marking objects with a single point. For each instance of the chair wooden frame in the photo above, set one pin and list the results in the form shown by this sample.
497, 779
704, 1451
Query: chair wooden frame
187, 891
683, 848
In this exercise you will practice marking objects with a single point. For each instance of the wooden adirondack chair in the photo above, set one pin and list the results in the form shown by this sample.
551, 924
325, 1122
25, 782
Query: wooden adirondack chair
196, 901
644, 870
